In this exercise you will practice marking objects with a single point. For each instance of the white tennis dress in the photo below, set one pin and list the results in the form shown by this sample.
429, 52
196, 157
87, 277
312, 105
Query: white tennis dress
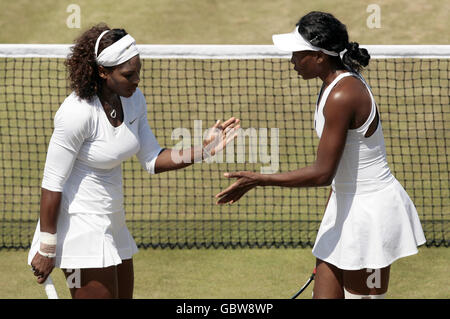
370, 221
84, 163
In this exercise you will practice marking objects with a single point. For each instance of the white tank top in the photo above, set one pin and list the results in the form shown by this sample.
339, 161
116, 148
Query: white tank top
363, 167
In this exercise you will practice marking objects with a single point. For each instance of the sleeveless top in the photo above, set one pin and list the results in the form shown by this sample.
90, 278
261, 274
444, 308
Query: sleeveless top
363, 167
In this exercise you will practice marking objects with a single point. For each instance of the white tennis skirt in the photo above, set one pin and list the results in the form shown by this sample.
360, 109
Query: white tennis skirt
89, 241
369, 230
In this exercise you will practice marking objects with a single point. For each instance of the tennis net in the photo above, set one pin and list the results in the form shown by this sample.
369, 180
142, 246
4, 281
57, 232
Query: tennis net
187, 89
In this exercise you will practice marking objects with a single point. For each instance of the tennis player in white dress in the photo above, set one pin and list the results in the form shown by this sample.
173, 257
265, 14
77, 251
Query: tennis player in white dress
369, 221
98, 126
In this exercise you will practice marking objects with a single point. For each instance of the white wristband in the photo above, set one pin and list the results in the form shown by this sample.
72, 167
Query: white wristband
48, 244
48, 255
47, 238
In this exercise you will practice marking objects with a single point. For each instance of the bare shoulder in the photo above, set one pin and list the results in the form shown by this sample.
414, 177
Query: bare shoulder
349, 91
349, 101
344, 101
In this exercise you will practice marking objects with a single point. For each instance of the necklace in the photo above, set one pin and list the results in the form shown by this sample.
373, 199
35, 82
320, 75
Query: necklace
113, 112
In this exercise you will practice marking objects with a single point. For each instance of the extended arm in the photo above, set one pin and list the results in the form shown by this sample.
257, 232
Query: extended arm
171, 159
219, 136
338, 115
157, 160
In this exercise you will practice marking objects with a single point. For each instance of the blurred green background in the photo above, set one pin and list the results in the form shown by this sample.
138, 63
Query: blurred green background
223, 22
228, 273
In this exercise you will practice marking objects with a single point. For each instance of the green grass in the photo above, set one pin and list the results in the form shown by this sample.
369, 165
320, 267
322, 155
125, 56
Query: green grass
234, 273
178, 208
222, 22
413, 113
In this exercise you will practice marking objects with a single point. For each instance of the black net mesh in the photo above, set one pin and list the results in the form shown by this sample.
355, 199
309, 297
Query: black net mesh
177, 209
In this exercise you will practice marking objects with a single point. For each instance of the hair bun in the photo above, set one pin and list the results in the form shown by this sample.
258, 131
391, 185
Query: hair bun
356, 57
352, 46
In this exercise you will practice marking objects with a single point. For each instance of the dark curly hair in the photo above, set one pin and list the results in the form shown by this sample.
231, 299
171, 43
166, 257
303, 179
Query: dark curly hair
81, 63
323, 30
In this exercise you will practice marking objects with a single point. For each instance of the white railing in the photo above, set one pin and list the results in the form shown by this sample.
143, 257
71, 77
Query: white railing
223, 51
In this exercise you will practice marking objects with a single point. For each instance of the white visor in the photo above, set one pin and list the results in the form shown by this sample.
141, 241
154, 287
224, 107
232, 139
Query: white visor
118, 52
292, 42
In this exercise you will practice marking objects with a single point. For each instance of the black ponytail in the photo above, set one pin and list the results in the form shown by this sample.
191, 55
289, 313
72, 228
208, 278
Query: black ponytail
355, 57
323, 30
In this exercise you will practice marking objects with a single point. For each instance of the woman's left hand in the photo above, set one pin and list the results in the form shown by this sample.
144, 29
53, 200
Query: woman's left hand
219, 136
245, 182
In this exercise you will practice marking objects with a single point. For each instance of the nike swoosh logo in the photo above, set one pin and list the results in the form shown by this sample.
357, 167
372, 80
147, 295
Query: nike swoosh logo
131, 122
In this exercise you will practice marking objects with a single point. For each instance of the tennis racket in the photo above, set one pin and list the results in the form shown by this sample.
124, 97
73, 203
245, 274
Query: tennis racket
50, 288
305, 285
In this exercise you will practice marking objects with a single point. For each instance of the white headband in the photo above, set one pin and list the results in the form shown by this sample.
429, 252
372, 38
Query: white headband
292, 42
118, 52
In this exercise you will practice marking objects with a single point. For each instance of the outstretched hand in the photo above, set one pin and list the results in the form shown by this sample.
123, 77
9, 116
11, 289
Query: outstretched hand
219, 136
245, 182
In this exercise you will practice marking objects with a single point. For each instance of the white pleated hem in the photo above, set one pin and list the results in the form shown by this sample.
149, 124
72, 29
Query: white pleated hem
89, 241
82, 262
369, 230
367, 265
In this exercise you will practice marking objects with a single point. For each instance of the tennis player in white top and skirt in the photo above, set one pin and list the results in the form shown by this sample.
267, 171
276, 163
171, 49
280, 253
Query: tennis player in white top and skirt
101, 124
369, 221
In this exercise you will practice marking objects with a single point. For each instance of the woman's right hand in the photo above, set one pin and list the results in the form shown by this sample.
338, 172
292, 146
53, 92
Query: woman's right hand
42, 267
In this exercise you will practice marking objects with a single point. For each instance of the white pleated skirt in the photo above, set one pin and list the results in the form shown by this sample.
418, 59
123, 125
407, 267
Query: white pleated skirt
369, 230
89, 241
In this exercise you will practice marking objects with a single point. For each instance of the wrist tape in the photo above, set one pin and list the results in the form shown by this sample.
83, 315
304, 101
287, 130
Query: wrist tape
47, 245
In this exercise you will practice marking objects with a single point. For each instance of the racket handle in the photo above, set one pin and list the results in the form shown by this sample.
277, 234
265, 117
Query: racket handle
50, 288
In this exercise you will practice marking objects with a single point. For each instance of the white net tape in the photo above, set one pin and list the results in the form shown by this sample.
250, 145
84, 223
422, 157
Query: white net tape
223, 51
